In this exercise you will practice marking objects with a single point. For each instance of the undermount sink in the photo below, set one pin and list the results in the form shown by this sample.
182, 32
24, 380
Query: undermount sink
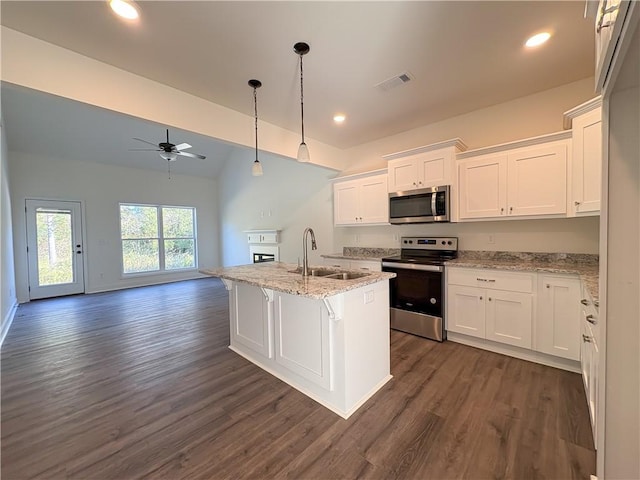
346, 275
332, 274
315, 272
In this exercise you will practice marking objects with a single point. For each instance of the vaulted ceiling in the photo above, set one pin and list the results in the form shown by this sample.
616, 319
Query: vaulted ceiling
461, 56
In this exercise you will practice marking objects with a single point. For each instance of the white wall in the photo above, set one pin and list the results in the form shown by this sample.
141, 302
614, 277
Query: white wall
101, 188
7, 279
572, 235
622, 301
524, 117
289, 196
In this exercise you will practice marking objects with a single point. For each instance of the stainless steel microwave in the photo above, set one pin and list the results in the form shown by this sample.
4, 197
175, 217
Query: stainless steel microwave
426, 205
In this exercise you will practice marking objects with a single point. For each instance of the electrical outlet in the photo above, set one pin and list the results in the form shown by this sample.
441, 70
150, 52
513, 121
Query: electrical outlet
491, 239
368, 296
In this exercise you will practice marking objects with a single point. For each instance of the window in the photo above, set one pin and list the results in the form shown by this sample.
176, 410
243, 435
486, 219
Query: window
157, 238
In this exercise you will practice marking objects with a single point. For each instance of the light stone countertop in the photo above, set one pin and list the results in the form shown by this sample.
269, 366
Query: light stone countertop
363, 253
278, 276
585, 266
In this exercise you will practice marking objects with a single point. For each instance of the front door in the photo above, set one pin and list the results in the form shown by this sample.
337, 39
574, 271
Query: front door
54, 248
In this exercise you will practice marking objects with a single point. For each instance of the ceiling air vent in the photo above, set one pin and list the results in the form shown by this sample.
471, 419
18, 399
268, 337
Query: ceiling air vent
394, 82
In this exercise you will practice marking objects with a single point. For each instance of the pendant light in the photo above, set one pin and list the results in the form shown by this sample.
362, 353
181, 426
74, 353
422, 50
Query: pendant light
256, 169
301, 49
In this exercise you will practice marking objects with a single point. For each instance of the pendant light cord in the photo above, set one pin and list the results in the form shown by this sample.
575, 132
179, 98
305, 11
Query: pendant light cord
301, 98
255, 109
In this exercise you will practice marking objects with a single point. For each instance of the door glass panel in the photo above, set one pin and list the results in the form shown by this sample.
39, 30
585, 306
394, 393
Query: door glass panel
55, 247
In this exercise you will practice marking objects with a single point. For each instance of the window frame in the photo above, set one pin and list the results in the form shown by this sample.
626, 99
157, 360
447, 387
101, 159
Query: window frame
162, 270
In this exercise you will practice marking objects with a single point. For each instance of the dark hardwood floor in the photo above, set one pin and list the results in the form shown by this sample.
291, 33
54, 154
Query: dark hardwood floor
140, 383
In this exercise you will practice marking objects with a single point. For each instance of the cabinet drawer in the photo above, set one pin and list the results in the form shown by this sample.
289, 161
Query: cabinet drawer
369, 265
494, 279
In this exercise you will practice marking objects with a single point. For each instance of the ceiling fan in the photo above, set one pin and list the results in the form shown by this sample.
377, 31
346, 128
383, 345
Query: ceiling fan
168, 150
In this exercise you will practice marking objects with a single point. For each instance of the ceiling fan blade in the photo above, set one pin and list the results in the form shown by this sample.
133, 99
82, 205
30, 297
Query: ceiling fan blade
144, 150
183, 146
192, 155
144, 141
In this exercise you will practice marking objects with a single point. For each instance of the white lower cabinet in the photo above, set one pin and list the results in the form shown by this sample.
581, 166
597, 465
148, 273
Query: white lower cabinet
557, 323
302, 338
496, 315
590, 357
465, 310
509, 317
491, 304
536, 312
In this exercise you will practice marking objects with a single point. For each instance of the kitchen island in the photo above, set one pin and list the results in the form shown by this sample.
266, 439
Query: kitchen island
327, 337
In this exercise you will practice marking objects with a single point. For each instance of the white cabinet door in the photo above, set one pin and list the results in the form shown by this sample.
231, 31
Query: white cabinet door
589, 359
558, 319
302, 338
345, 203
403, 174
509, 317
466, 310
587, 161
374, 200
537, 181
483, 187
250, 322
432, 168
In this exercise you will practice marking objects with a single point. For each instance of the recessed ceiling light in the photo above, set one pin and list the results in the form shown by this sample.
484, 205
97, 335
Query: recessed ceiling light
125, 9
538, 39
339, 118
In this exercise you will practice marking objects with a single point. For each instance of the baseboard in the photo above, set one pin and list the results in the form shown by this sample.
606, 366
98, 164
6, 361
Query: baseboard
516, 352
119, 286
7, 321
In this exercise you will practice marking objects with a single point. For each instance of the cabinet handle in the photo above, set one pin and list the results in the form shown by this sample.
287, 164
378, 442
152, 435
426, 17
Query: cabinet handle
548, 286
481, 279
597, 303
577, 204
510, 209
586, 338
419, 183
480, 298
492, 280
414, 184
591, 319
501, 210
489, 298
584, 301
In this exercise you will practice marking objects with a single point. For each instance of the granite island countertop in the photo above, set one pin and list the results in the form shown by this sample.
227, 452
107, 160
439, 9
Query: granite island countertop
278, 276
583, 265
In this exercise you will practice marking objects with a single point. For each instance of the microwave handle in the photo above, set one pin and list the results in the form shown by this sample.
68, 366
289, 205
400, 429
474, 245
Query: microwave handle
433, 204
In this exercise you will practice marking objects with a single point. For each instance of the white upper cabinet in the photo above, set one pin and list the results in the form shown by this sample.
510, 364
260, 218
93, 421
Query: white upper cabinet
361, 201
483, 187
428, 166
537, 180
519, 179
585, 122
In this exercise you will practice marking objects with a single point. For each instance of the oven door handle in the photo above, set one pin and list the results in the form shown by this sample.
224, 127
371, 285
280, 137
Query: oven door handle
413, 266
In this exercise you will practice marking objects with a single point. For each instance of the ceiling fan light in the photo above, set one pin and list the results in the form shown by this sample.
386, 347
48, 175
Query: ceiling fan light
303, 153
256, 169
170, 156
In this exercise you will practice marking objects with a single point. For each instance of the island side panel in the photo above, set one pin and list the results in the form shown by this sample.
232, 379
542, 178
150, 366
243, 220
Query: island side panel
250, 320
367, 342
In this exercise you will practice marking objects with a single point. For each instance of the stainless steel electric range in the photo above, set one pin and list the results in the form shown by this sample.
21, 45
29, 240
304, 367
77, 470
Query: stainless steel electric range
417, 291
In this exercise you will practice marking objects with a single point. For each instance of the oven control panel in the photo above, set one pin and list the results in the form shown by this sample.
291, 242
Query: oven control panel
429, 243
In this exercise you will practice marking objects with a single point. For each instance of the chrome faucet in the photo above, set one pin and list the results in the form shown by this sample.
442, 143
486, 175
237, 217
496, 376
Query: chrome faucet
305, 258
